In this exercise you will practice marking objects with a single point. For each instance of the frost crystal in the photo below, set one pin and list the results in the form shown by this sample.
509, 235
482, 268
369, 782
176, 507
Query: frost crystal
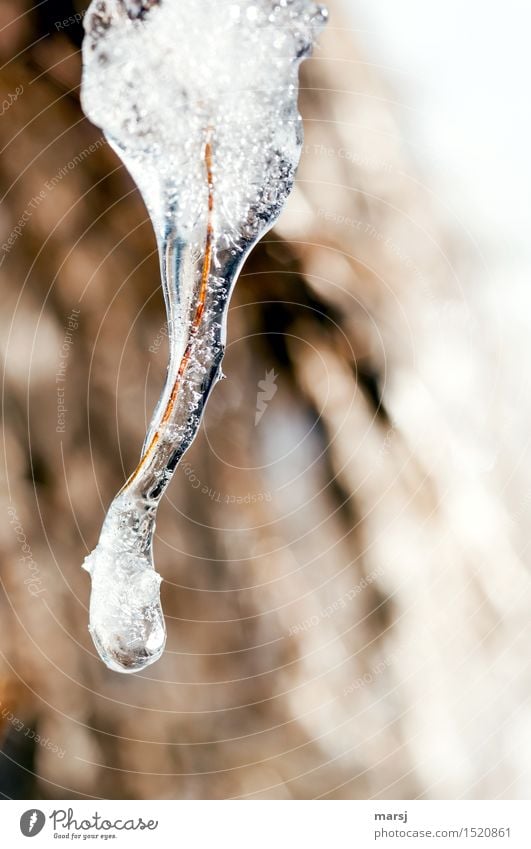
199, 98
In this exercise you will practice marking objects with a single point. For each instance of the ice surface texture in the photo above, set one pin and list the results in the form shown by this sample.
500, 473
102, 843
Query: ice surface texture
199, 99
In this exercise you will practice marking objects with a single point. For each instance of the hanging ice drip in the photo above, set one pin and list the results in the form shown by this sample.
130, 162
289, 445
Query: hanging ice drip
199, 99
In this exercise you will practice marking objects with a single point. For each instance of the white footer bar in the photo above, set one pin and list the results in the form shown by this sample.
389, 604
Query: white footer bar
267, 824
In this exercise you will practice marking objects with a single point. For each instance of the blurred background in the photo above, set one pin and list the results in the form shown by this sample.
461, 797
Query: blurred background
345, 546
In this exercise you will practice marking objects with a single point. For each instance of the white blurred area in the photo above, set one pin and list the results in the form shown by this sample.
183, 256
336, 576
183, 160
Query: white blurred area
457, 75
461, 75
455, 80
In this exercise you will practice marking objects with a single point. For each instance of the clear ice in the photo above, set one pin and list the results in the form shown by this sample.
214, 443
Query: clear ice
199, 99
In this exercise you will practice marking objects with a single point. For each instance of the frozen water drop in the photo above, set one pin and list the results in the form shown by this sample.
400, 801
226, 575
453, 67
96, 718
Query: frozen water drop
126, 620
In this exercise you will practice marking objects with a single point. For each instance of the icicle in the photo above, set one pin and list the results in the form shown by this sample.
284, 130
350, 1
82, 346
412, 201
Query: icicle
199, 99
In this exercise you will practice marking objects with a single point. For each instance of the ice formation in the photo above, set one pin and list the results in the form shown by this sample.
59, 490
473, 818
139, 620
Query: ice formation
199, 99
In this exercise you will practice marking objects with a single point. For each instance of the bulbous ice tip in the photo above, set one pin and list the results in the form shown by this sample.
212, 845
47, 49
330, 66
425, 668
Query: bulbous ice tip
128, 657
126, 620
